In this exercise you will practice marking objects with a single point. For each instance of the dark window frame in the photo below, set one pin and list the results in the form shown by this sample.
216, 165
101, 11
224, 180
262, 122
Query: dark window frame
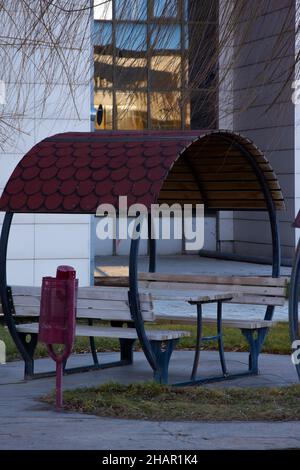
113, 51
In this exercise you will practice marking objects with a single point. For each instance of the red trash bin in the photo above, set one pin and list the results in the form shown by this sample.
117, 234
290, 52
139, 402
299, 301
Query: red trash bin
58, 318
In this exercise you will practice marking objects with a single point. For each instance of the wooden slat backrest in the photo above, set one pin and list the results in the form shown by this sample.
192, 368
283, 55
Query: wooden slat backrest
104, 303
260, 290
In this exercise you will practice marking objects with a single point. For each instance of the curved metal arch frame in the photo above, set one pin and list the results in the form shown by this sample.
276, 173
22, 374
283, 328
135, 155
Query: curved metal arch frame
276, 258
6, 299
133, 296
276, 248
293, 302
133, 257
151, 248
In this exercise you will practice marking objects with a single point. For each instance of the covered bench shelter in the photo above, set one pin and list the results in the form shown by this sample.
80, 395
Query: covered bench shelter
76, 172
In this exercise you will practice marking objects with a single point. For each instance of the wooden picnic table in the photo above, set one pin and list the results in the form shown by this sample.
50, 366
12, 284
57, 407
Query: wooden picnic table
198, 298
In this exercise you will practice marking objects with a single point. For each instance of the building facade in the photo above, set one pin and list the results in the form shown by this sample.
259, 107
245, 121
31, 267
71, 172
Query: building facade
151, 64
49, 98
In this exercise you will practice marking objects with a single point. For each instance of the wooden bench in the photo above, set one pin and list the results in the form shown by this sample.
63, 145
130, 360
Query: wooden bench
250, 290
108, 304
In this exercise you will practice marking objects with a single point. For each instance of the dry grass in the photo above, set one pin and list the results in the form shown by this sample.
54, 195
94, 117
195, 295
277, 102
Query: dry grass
160, 403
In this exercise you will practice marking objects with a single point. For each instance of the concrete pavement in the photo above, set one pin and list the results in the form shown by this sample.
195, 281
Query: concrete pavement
26, 423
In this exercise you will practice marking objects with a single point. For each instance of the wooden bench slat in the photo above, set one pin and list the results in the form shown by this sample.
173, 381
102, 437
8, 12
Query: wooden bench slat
81, 303
100, 314
26, 300
210, 279
190, 319
112, 281
184, 286
90, 293
26, 291
258, 300
248, 324
27, 311
111, 332
192, 296
34, 302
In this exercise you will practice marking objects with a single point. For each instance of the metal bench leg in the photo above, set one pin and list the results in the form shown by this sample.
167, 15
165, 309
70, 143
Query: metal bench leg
94, 350
65, 365
30, 348
220, 339
201, 338
198, 342
93, 346
126, 349
126, 345
255, 340
162, 351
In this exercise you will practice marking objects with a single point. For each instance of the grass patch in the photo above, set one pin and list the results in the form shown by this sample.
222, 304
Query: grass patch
151, 401
277, 341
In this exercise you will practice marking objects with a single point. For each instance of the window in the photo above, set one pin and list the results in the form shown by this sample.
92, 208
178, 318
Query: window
165, 8
131, 37
131, 110
131, 72
104, 99
144, 67
103, 70
165, 110
130, 57
164, 37
131, 10
102, 33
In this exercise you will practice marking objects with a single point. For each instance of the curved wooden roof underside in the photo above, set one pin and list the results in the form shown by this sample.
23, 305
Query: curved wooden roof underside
76, 172
214, 170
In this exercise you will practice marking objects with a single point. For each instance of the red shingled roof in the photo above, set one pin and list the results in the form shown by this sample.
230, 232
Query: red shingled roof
75, 172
